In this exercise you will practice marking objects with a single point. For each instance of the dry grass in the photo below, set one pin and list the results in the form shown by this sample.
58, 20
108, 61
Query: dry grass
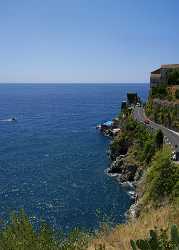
119, 238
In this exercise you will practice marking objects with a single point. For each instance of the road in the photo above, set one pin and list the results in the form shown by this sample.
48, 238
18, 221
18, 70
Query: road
173, 137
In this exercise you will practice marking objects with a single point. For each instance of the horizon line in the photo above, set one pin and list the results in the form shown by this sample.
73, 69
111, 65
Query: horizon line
74, 83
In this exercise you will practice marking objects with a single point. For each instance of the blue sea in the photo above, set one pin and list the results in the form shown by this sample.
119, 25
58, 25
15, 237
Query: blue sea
53, 160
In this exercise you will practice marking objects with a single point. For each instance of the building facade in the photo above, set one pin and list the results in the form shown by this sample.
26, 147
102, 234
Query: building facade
159, 76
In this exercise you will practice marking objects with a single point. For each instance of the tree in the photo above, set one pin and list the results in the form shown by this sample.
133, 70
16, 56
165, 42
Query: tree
159, 91
159, 139
158, 240
162, 176
177, 94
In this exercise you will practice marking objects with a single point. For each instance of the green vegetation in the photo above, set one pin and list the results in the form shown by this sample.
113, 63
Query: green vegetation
163, 113
19, 234
135, 135
159, 139
177, 94
162, 104
160, 91
158, 240
145, 148
173, 77
162, 178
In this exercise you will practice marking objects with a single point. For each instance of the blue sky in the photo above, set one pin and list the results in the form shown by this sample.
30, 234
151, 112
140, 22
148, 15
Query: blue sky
86, 40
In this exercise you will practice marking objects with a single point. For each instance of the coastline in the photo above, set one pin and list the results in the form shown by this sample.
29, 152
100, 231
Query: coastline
124, 170
131, 189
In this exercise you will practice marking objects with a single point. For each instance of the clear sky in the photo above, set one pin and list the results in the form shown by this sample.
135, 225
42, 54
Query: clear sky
86, 40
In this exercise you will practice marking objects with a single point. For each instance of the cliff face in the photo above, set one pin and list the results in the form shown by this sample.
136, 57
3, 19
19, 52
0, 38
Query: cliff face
130, 151
130, 148
124, 167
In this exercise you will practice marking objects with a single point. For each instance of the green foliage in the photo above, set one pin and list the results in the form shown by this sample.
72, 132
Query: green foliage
19, 234
177, 94
159, 91
175, 235
158, 240
163, 114
162, 177
173, 76
149, 107
130, 125
148, 150
119, 146
159, 139
135, 134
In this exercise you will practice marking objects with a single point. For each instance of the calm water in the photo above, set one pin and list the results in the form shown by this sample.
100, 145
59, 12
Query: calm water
52, 160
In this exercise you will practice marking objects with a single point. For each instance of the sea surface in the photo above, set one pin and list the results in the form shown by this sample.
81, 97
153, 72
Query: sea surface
53, 160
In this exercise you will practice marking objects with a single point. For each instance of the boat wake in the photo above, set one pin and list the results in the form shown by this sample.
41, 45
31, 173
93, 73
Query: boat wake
9, 120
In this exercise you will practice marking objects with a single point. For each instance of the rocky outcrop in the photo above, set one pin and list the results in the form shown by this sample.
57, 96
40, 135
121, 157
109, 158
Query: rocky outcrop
128, 173
118, 149
124, 167
116, 165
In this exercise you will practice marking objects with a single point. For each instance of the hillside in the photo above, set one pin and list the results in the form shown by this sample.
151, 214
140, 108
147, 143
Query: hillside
119, 238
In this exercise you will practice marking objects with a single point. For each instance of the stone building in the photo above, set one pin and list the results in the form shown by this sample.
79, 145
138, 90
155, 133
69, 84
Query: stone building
160, 75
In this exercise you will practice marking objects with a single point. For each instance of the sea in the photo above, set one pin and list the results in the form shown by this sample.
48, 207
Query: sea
52, 158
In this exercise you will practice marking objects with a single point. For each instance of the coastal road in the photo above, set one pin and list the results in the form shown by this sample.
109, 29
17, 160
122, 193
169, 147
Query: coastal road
172, 136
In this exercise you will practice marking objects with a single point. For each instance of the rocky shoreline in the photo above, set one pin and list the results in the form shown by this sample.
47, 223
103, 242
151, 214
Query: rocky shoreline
128, 175
123, 154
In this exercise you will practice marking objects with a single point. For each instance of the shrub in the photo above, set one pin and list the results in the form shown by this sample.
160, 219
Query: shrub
19, 234
173, 76
158, 240
148, 150
162, 176
135, 134
160, 91
159, 138
177, 94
